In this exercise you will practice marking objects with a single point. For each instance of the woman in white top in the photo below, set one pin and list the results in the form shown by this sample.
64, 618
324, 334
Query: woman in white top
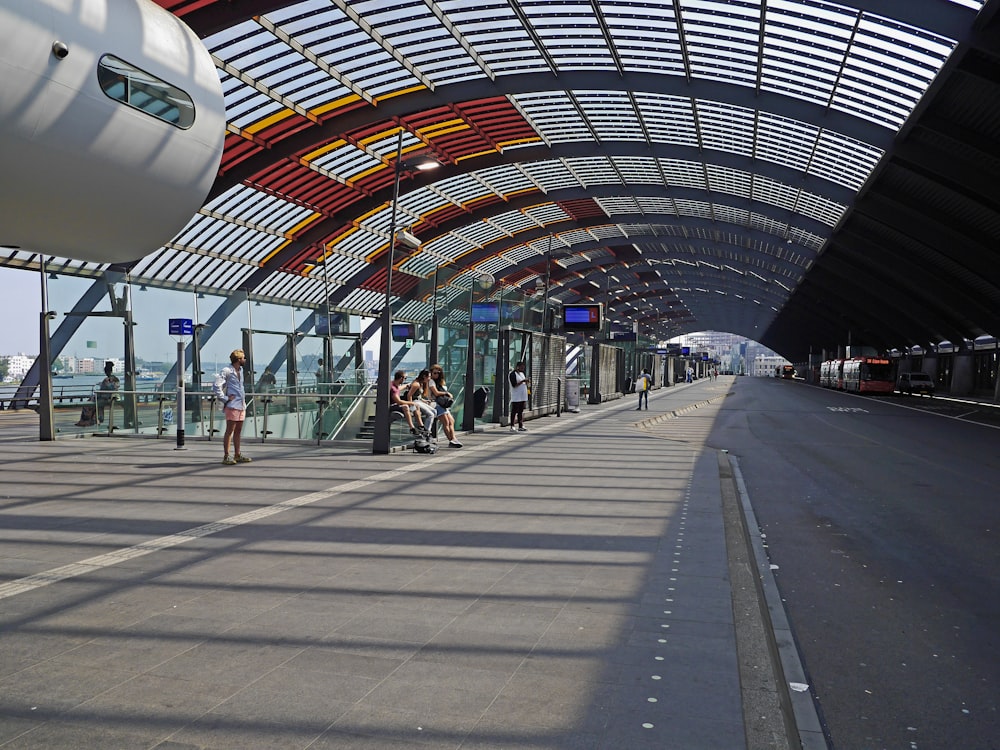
417, 393
228, 388
518, 396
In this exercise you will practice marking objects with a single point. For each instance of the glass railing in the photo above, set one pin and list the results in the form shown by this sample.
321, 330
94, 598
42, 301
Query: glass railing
334, 411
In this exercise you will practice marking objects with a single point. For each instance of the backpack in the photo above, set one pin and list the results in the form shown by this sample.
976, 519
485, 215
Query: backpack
424, 442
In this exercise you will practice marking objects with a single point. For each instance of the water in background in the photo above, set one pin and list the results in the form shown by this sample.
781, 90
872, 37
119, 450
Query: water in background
85, 384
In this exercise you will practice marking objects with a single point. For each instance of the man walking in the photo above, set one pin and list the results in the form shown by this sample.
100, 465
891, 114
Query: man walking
228, 388
642, 384
518, 396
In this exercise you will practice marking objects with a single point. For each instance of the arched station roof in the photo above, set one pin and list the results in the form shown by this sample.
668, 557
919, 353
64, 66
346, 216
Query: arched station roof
800, 172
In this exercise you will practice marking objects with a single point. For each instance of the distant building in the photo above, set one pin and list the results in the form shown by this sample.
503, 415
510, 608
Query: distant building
18, 365
765, 366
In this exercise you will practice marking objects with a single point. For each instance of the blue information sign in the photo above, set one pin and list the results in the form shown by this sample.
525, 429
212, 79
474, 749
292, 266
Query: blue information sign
181, 327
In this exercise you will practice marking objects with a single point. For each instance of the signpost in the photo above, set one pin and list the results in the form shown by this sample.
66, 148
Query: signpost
180, 327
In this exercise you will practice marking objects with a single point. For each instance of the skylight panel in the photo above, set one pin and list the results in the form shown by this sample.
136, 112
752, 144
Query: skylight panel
342, 266
244, 105
721, 39
645, 36
658, 206
774, 193
726, 128
346, 161
821, 209
638, 170
789, 74
554, 116
551, 175
236, 40
421, 203
767, 224
594, 171
845, 161
731, 214
299, 75
615, 206
513, 222
784, 141
412, 30
462, 189
701, 209
284, 285
230, 199
359, 244
505, 180
570, 33
726, 180
478, 234
497, 34
684, 173
448, 246
611, 115
669, 119
322, 91
365, 300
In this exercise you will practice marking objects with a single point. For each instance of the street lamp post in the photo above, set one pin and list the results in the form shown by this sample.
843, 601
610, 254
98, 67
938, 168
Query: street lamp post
383, 417
434, 319
380, 443
548, 280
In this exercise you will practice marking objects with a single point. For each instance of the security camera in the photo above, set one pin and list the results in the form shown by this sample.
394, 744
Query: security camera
60, 50
405, 238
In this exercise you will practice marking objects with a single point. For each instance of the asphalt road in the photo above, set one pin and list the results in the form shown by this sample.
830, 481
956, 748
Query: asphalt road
884, 522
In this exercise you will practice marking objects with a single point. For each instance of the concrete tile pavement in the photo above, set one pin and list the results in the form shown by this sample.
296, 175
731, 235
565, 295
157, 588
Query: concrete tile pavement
562, 588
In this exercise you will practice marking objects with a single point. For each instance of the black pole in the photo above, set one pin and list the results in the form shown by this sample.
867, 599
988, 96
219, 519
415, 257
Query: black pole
381, 439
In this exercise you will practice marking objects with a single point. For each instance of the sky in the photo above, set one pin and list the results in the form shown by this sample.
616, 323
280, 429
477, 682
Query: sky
20, 304
102, 337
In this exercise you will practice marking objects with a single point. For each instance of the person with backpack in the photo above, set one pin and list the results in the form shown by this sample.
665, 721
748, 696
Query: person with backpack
642, 385
518, 396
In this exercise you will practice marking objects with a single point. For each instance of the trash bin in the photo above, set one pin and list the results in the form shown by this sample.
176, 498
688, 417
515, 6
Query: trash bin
480, 397
573, 395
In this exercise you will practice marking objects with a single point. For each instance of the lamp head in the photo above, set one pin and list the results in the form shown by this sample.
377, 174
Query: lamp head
407, 239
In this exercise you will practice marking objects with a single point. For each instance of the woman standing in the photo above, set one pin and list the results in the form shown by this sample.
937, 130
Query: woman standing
439, 392
228, 388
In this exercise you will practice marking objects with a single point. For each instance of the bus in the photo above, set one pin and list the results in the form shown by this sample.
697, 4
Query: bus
787, 372
868, 375
831, 374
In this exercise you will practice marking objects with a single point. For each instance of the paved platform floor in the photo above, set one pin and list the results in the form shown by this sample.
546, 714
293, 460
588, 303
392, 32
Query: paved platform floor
565, 588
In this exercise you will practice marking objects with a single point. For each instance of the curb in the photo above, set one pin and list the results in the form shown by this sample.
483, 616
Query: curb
799, 694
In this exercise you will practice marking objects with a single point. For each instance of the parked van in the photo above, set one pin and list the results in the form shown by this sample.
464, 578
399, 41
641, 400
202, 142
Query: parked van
909, 383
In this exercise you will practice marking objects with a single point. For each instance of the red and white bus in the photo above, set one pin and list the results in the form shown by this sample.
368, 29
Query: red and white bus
831, 374
868, 375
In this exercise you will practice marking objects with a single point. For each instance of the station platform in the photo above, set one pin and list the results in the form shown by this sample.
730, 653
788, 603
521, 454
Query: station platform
578, 586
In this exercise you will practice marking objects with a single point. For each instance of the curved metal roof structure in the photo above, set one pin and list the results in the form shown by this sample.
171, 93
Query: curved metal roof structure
795, 171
